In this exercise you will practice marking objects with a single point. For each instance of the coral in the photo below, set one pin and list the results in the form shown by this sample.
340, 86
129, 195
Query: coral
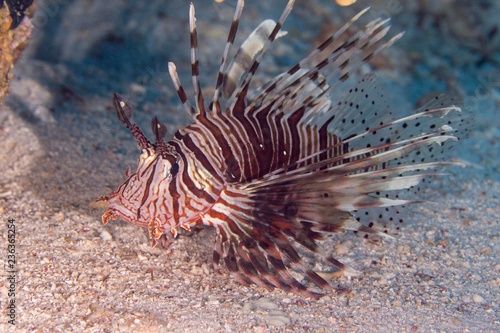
12, 43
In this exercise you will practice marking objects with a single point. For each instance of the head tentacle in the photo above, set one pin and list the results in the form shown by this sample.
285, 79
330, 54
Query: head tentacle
124, 111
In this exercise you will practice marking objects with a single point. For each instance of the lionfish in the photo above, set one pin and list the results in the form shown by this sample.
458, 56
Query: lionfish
281, 167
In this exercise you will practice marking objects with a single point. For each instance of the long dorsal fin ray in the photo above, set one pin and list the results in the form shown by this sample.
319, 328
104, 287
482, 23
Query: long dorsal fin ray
241, 91
195, 65
230, 40
251, 47
172, 69
338, 56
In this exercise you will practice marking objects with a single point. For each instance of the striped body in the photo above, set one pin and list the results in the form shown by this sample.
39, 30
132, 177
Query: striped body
284, 165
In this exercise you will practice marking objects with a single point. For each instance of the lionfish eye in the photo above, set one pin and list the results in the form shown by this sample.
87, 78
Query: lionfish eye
174, 169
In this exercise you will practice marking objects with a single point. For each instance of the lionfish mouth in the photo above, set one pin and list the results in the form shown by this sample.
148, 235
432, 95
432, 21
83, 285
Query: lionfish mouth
110, 213
114, 213
116, 209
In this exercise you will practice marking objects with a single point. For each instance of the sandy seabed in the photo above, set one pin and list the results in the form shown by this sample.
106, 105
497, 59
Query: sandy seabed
62, 147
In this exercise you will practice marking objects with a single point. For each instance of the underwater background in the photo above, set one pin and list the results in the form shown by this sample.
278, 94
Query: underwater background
63, 147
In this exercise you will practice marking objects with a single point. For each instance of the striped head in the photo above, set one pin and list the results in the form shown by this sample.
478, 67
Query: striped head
136, 200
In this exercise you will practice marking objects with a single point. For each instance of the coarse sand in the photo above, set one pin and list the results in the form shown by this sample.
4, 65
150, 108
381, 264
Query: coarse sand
62, 147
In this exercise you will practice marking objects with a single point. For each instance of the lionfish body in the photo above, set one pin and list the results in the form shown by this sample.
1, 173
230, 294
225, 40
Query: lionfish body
284, 165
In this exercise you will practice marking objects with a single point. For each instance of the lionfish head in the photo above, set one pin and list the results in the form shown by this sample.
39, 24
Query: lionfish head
134, 201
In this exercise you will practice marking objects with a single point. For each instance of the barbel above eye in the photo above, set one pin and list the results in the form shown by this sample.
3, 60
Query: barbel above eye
159, 129
174, 169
